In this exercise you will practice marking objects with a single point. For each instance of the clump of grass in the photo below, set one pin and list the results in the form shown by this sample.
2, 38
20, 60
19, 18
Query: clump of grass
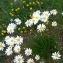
2, 55
44, 45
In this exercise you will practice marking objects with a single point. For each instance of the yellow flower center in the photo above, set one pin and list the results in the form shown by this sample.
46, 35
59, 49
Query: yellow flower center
19, 59
0, 45
10, 50
53, 10
10, 30
56, 55
36, 17
44, 18
37, 57
12, 40
28, 23
33, 20
18, 39
46, 14
31, 62
28, 52
40, 27
18, 21
18, 49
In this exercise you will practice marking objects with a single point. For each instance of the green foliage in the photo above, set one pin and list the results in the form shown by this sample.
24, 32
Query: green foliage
2, 56
44, 45
1, 61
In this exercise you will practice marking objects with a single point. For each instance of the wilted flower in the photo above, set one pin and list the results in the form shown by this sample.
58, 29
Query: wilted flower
54, 23
37, 57
54, 12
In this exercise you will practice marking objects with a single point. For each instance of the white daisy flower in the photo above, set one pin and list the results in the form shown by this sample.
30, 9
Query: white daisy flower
7, 38
37, 57
18, 59
10, 41
54, 12
18, 21
30, 60
19, 40
28, 51
46, 13
44, 18
28, 23
17, 48
2, 45
9, 51
54, 23
41, 27
10, 30
36, 16
11, 27
56, 55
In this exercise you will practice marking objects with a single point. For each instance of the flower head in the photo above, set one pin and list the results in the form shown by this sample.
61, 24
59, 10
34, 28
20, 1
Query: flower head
2, 45
54, 12
11, 27
46, 13
54, 23
30, 60
36, 15
44, 18
10, 41
10, 30
9, 51
18, 59
37, 57
56, 55
19, 40
28, 52
28, 23
17, 48
18, 21
41, 27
